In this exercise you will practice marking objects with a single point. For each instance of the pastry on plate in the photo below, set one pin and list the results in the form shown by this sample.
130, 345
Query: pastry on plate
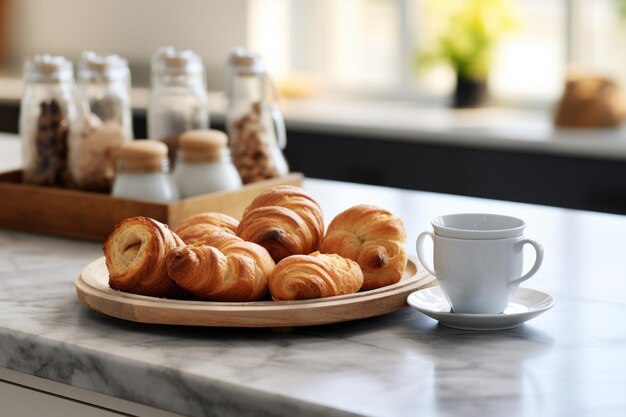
284, 220
135, 257
299, 277
195, 228
229, 270
374, 238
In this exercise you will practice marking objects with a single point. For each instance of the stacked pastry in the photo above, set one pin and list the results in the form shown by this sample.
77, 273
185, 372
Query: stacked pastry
278, 247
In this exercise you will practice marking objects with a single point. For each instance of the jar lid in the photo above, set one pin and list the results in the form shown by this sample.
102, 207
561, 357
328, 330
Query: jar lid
168, 60
48, 68
142, 156
246, 62
205, 145
92, 66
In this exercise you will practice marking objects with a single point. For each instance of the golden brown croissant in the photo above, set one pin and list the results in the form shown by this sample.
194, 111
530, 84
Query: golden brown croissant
300, 277
284, 220
374, 238
218, 239
195, 228
231, 270
135, 257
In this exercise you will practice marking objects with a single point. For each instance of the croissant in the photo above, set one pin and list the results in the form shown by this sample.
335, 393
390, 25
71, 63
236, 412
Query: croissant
284, 220
231, 270
219, 239
300, 277
135, 257
195, 228
374, 238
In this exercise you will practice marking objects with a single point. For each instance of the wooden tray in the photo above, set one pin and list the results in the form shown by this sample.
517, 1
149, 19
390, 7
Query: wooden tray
88, 215
93, 290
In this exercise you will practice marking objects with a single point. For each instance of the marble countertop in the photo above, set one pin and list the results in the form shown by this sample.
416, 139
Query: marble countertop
506, 129
568, 361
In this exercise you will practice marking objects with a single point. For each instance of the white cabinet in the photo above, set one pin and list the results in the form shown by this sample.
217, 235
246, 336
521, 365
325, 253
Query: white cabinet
23, 395
18, 401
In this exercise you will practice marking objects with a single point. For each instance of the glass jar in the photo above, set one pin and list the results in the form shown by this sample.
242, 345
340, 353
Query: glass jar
255, 126
106, 120
48, 112
178, 100
143, 173
204, 164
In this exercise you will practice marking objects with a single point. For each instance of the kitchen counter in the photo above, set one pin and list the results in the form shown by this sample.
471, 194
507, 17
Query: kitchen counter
491, 128
568, 361
474, 152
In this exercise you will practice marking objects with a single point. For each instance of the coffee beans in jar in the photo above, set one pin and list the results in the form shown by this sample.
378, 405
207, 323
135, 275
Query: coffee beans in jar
48, 110
48, 166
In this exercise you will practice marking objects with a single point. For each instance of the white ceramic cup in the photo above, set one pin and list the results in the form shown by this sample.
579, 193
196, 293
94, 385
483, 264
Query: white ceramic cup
477, 226
478, 276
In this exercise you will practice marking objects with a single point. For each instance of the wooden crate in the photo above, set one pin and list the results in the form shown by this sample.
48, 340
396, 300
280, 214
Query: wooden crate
87, 215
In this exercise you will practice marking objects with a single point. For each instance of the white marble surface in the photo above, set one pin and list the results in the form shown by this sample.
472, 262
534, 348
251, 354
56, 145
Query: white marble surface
569, 361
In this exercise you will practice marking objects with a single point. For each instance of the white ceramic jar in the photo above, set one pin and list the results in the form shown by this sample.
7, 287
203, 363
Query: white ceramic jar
143, 173
203, 164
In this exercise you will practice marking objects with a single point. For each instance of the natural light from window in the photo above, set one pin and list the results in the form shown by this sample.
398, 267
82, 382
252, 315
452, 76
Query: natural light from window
368, 48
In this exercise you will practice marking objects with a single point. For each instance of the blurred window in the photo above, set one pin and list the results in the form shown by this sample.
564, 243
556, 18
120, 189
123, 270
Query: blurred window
601, 38
368, 47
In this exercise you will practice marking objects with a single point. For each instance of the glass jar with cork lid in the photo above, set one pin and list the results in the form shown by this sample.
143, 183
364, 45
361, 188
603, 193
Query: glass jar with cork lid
204, 164
48, 113
106, 120
255, 126
143, 172
178, 100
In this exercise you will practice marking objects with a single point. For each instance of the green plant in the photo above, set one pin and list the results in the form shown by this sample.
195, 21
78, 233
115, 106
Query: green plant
621, 9
464, 33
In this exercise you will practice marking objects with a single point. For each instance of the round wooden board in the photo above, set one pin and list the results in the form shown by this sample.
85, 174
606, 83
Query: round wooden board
93, 290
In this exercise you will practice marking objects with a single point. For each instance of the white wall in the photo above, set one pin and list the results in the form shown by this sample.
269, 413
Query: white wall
131, 28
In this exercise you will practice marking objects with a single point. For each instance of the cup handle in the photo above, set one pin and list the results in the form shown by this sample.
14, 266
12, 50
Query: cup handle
419, 246
538, 261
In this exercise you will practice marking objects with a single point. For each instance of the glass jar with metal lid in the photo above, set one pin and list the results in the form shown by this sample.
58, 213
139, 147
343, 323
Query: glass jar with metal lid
255, 126
143, 172
178, 100
48, 112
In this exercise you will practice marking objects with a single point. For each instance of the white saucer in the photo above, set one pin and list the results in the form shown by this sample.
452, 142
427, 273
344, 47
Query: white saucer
524, 305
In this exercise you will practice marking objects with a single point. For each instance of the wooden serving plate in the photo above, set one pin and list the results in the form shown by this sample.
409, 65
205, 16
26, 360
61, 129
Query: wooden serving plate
93, 290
